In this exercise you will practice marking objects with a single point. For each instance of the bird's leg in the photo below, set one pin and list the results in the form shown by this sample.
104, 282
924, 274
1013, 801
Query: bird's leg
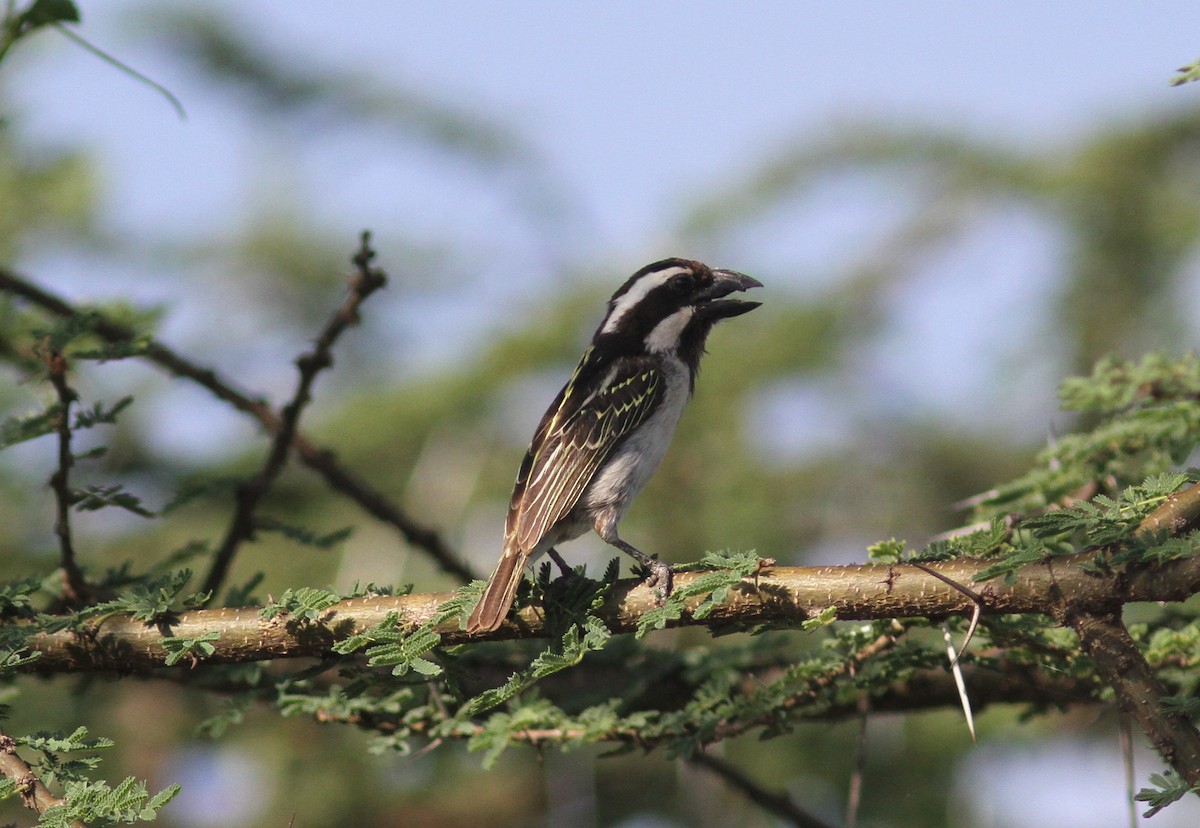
567, 572
661, 578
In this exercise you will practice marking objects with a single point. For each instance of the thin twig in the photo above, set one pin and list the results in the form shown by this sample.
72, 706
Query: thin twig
779, 804
858, 766
33, 792
124, 67
319, 459
74, 586
367, 280
1125, 731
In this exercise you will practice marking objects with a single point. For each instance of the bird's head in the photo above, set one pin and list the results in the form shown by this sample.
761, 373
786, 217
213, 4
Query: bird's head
670, 307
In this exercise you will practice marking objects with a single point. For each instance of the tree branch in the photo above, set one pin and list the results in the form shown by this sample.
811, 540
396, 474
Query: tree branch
33, 792
74, 586
367, 280
779, 804
319, 459
780, 594
1139, 692
1177, 514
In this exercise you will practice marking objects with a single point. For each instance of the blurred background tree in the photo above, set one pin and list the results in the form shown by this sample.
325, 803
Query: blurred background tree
927, 288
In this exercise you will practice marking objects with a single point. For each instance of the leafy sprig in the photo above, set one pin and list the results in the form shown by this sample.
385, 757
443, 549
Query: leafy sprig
728, 570
1166, 787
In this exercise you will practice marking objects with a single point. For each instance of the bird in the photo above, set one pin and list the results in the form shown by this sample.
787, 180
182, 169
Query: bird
606, 432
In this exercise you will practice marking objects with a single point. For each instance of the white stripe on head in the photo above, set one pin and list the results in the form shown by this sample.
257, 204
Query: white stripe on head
665, 336
627, 300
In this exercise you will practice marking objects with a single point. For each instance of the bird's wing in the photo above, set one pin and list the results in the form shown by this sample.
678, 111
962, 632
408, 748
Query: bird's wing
591, 416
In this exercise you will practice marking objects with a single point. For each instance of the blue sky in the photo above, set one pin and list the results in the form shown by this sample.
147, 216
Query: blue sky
635, 110
637, 106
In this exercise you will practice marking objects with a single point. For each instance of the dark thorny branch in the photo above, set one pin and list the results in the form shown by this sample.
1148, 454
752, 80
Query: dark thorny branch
1139, 692
366, 281
316, 457
33, 792
778, 804
74, 587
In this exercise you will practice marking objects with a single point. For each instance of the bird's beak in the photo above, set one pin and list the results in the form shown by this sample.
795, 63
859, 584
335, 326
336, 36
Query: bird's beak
724, 283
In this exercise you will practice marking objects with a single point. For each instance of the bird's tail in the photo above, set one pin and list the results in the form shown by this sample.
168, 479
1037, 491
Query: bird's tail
498, 594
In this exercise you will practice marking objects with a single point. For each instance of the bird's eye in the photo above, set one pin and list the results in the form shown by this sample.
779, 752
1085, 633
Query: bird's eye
680, 282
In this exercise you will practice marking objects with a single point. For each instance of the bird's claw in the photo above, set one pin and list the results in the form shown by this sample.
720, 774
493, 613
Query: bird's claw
661, 580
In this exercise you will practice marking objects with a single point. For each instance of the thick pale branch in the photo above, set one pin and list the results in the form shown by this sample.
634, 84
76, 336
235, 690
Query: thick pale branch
779, 594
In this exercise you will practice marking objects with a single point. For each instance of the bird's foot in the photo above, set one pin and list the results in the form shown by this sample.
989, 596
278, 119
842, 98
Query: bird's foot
660, 578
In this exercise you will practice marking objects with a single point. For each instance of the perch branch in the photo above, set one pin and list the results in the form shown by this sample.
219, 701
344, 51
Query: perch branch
780, 594
366, 281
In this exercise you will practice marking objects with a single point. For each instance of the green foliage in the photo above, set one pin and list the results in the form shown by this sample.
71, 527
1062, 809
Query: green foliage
100, 414
1103, 520
304, 536
1187, 74
233, 714
152, 600
52, 767
887, 552
192, 649
1147, 417
1168, 788
729, 570
15, 430
36, 15
93, 802
1181, 705
93, 498
978, 544
404, 651
569, 651
1146, 421
13, 659
98, 803
822, 619
16, 596
303, 604
1026, 551
386, 645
